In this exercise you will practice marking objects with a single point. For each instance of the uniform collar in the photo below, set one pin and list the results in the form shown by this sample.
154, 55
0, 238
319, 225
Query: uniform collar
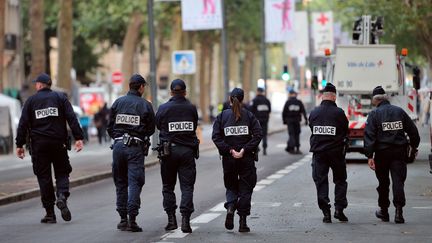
177, 97
134, 92
384, 102
328, 102
44, 89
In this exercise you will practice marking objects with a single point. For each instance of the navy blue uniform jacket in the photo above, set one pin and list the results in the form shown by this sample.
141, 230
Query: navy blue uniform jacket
230, 134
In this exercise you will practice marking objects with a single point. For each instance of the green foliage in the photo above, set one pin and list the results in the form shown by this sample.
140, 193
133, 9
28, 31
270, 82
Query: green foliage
243, 19
406, 23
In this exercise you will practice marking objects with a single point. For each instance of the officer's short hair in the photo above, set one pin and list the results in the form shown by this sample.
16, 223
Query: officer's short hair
135, 86
380, 97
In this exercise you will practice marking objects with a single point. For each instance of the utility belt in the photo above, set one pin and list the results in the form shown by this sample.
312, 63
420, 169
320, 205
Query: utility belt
129, 141
164, 149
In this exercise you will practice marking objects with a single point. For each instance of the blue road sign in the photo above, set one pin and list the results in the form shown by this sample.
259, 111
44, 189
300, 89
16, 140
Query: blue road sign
183, 62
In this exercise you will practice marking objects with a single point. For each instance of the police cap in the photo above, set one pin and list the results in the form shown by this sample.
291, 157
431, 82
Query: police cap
238, 93
136, 78
43, 78
178, 85
329, 88
378, 91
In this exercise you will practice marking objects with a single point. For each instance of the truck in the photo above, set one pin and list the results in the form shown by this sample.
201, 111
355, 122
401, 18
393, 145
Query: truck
357, 69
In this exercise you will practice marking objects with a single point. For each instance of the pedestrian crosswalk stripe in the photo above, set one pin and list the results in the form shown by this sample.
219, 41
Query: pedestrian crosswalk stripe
219, 207
258, 188
205, 218
275, 176
265, 182
178, 233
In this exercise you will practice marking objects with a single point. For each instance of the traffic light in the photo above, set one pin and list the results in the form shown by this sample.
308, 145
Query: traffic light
314, 83
285, 74
416, 78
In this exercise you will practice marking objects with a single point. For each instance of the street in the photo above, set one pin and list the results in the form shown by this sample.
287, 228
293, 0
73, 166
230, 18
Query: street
284, 207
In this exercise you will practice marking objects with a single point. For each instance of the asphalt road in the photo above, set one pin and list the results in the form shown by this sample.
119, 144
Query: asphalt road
284, 208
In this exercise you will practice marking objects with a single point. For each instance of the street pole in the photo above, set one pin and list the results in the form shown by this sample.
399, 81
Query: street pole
225, 68
312, 70
263, 48
152, 51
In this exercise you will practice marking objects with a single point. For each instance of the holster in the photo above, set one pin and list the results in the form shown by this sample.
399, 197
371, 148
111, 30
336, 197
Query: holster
256, 154
411, 154
146, 146
163, 149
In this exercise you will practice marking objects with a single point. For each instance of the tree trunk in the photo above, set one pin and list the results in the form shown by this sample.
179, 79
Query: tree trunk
2, 30
203, 77
65, 39
247, 71
210, 78
130, 43
37, 38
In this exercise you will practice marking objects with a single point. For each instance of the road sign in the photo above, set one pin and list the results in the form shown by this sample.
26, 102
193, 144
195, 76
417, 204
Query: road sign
183, 62
117, 77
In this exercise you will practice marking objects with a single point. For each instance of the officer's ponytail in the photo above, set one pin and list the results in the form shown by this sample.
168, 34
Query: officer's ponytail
236, 107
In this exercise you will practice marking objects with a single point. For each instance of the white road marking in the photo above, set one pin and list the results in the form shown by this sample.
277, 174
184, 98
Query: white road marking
219, 208
265, 182
205, 218
281, 145
297, 204
266, 204
429, 207
275, 176
258, 188
291, 167
283, 172
178, 233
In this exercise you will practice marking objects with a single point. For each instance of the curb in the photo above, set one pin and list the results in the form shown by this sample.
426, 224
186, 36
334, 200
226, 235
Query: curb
31, 193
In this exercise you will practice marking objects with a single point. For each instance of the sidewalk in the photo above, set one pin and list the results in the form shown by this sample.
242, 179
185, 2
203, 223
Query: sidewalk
17, 181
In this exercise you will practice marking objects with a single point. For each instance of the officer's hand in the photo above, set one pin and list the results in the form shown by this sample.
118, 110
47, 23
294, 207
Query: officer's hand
371, 163
20, 153
241, 153
79, 144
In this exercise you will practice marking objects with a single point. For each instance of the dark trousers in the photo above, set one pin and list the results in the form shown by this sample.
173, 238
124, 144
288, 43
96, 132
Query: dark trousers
45, 153
391, 161
294, 135
240, 179
128, 174
321, 163
180, 162
102, 134
264, 126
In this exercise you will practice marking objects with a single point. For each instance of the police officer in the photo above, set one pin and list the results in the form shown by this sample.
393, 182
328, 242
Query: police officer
131, 124
237, 134
291, 116
385, 146
44, 118
261, 108
329, 127
177, 121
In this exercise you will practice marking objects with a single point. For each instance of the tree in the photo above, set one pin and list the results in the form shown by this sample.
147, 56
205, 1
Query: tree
2, 30
130, 44
406, 23
37, 40
244, 26
65, 39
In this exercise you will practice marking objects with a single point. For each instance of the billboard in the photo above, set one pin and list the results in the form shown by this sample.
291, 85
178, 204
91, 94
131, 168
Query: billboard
322, 27
279, 20
201, 14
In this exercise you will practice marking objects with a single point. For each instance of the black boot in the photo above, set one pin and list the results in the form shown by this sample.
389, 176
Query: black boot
229, 220
243, 224
297, 151
172, 222
383, 214
62, 205
339, 214
123, 223
185, 227
399, 219
50, 217
327, 216
132, 225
